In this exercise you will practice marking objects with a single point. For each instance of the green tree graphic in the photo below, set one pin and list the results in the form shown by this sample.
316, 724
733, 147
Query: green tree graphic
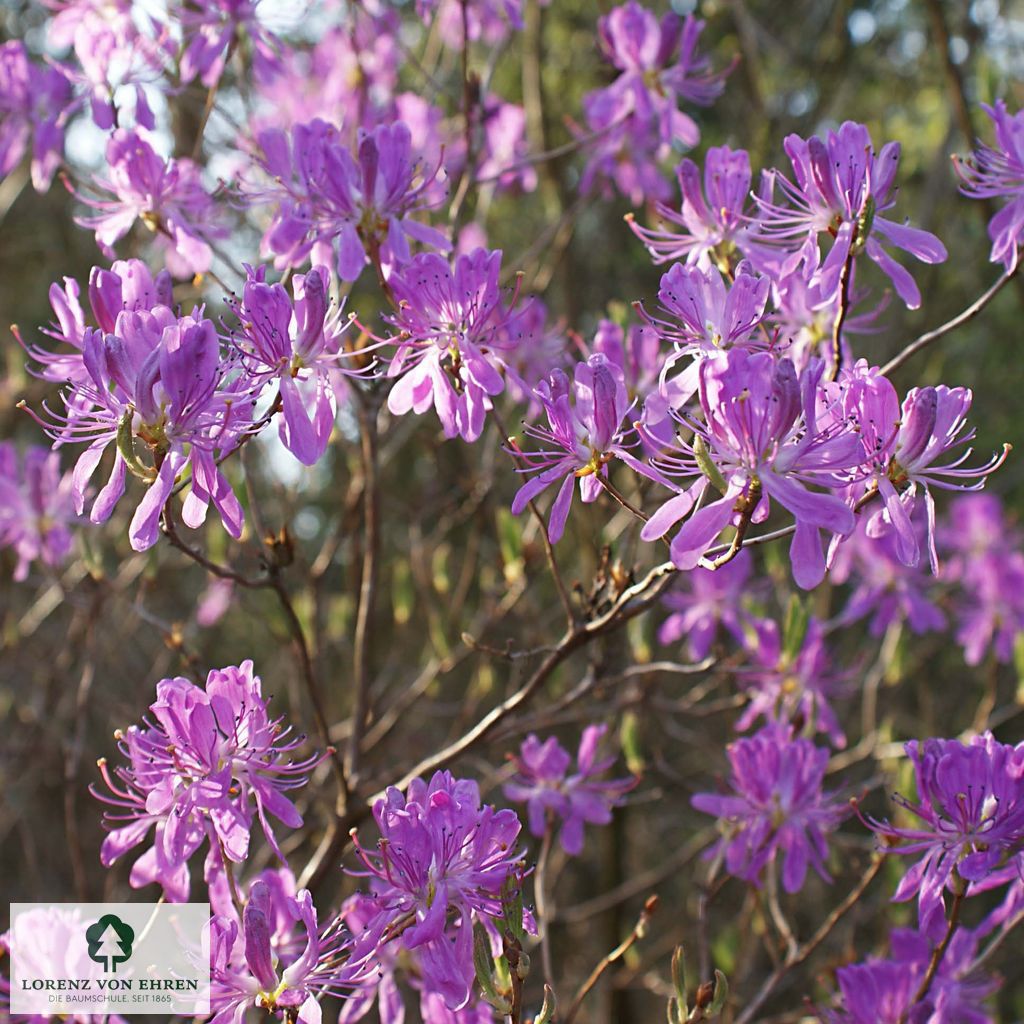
110, 941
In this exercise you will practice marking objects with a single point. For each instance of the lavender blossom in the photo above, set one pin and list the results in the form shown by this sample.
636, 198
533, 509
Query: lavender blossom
542, 781
776, 807
212, 758
969, 821
441, 864
995, 172
842, 188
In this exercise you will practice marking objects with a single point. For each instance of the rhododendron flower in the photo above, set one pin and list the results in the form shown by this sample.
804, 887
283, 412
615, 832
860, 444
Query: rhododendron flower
885, 991
637, 118
441, 864
328, 200
715, 231
583, 435
995, 172
933, 424
542, 781
706, 600
158, 378
659, 66
451, 340
116, 45
166, 195
33, 101
489, 20
969, 821
128, 286
842, 188
793, 688
291, 992
297, 345
706, 314
776, 808
212, 759
884, 589
761, 440
212, 28
984, 561
35, 507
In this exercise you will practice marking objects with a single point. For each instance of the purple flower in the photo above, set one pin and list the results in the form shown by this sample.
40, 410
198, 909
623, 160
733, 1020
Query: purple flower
211, 759
450, 339
776, 805
489, 20
296, 344
706, 314
33, 101
157, 378
638, 116
995, 172
933, 424
128, 286
841, 188
884, 589
166, 195
212, 28
328, 199
713, 217
969, 820
884, 991
793, 688
257, 979
877, 992
35, 507
986, 566
116, 46
707, 600
583, 435
441, 864
542, 781
760, 440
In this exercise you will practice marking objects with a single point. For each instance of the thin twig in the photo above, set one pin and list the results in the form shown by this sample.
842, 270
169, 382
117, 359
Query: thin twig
803, 951
638, 932
959, 320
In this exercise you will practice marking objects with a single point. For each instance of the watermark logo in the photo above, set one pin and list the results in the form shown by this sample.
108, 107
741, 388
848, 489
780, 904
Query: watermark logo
110, 958
110, 941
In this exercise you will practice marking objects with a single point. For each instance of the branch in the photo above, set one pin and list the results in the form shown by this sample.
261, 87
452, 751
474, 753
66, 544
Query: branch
969, 313
801, 953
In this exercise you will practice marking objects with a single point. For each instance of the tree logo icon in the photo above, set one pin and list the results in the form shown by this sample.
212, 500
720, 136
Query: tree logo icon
110, 941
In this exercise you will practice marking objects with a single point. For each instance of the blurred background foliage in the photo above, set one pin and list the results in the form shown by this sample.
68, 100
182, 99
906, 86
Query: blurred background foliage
82, 650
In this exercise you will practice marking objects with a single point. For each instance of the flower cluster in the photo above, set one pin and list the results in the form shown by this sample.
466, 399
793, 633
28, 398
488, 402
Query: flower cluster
211, 759
542, 781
